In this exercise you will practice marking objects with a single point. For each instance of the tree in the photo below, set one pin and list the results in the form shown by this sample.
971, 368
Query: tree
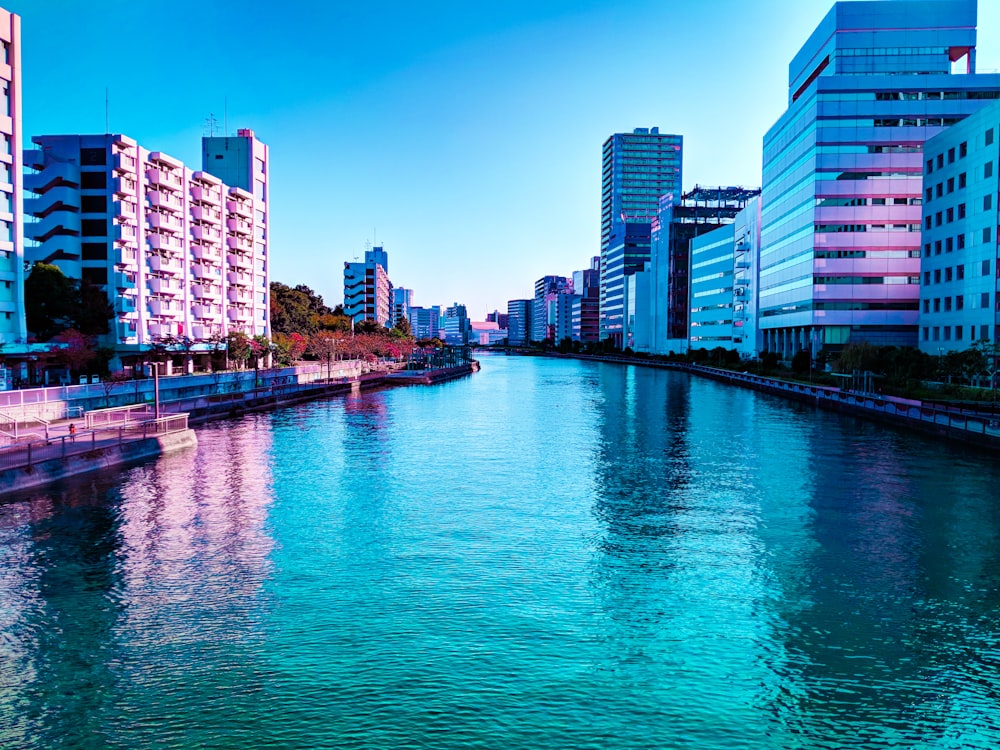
238, 348
369, 325
859, 357
323, 345
55, 303
76, 350
289, 349
403, 326
801, 362
112, 382
50, 301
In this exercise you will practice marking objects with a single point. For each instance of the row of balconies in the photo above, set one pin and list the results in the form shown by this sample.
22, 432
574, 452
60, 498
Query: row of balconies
202, 331
240, 262
206, 233
124, 162
205, 271
206, 310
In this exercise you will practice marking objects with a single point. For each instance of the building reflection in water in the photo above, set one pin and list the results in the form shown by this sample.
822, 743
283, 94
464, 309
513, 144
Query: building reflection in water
102, 576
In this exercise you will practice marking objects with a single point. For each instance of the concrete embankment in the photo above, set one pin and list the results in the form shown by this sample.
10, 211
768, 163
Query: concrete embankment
100, 457
960, 424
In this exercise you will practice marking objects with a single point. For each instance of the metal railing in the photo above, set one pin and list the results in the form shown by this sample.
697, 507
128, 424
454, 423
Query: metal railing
118, 415
26, 455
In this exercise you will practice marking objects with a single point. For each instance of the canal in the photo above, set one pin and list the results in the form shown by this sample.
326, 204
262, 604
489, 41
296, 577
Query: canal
550, 553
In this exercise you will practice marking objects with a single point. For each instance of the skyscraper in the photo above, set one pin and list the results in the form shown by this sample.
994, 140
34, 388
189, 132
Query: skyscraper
637, 168
841, 199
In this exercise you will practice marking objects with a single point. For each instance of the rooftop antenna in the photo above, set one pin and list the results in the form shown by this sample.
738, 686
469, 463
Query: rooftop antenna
211, 124
225, 116
107, 112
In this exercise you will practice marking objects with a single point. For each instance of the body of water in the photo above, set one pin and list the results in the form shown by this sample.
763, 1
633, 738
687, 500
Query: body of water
555, 554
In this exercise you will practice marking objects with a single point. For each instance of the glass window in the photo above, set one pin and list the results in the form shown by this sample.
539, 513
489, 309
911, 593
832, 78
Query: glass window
989, 137
987, 234
963, 149
951, 184
987, 202
951, 155
988, 169
962, 179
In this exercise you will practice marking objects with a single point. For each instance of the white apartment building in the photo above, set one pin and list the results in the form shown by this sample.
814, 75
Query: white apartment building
182, 254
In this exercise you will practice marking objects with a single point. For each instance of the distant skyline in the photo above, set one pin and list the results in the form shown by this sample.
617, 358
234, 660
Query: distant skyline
464, 138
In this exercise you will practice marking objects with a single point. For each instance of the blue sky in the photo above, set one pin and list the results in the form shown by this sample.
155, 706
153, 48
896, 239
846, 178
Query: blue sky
465, 137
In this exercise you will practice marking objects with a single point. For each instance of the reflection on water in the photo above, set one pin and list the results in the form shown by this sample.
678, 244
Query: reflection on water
550, 553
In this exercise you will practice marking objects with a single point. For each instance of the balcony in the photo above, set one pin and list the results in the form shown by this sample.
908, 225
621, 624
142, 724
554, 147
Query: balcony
207, 292
235, 224
240, 243
206, 194
126, 304
124, 162
124, 281
164, 307
241, 296
742, 265
239, 279
206, 252
200, 271
167, 222
206, 233
240, 208
126, 256
164, 242
206, 213
125, 210
123, 234
123, 186
205, 312
160, 178
241, 314
162, 329
165, 265
163, 199
164, 286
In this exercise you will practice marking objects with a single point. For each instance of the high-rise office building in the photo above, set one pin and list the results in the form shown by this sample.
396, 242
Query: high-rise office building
402, 303
13, 334
637, 168
182, 254
519, 321
425, 322
842, 188
959, 290
367, 290
545, 323
586, 308
456, 325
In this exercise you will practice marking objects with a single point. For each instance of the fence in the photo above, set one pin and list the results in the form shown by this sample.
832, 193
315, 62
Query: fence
25, 455
957, 419
100, 418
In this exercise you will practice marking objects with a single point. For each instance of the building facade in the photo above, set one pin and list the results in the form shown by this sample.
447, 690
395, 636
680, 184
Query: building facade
425, 322
182, 254
712, 265
546, 308
402, 305
13, 334
456, 325
519, 321
842, 181
367, 290
636, 169
586, 321
961, 219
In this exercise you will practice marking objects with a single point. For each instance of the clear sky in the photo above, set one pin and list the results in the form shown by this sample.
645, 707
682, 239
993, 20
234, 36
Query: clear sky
463, 136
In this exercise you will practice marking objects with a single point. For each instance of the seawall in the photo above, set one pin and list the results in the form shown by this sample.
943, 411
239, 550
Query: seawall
101, 457
962, 425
